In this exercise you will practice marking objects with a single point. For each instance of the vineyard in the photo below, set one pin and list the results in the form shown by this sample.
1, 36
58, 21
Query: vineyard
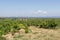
13, 25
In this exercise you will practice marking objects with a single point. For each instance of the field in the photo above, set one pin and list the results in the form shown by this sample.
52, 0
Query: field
29, 28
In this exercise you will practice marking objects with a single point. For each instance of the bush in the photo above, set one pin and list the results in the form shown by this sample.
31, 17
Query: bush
48, 25
52, 24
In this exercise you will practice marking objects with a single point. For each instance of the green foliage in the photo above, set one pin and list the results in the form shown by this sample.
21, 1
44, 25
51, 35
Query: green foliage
48, 25
11, 25
26, 29
21, 26
14, 24
43, 23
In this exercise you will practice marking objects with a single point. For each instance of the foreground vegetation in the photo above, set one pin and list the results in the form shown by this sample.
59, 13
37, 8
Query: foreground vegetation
39, 34
13, 25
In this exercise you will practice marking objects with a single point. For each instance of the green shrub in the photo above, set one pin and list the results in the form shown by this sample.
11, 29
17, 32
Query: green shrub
52, 24
48, 25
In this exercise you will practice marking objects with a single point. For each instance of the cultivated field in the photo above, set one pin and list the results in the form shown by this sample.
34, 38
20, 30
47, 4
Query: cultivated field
29, 29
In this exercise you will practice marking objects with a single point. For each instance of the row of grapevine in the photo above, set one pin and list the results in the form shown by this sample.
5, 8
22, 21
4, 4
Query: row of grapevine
14, 24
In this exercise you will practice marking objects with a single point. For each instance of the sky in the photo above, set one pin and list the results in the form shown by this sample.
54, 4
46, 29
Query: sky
29, 8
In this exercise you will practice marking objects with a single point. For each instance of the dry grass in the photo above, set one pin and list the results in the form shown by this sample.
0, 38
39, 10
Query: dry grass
37, 34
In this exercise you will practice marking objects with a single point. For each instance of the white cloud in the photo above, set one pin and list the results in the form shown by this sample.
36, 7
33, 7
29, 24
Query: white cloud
44, 12
40, 12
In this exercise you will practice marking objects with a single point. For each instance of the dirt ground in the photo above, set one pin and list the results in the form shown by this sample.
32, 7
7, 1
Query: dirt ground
35, 34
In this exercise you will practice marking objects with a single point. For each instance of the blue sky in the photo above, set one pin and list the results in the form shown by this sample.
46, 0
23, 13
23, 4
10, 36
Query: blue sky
30, 8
